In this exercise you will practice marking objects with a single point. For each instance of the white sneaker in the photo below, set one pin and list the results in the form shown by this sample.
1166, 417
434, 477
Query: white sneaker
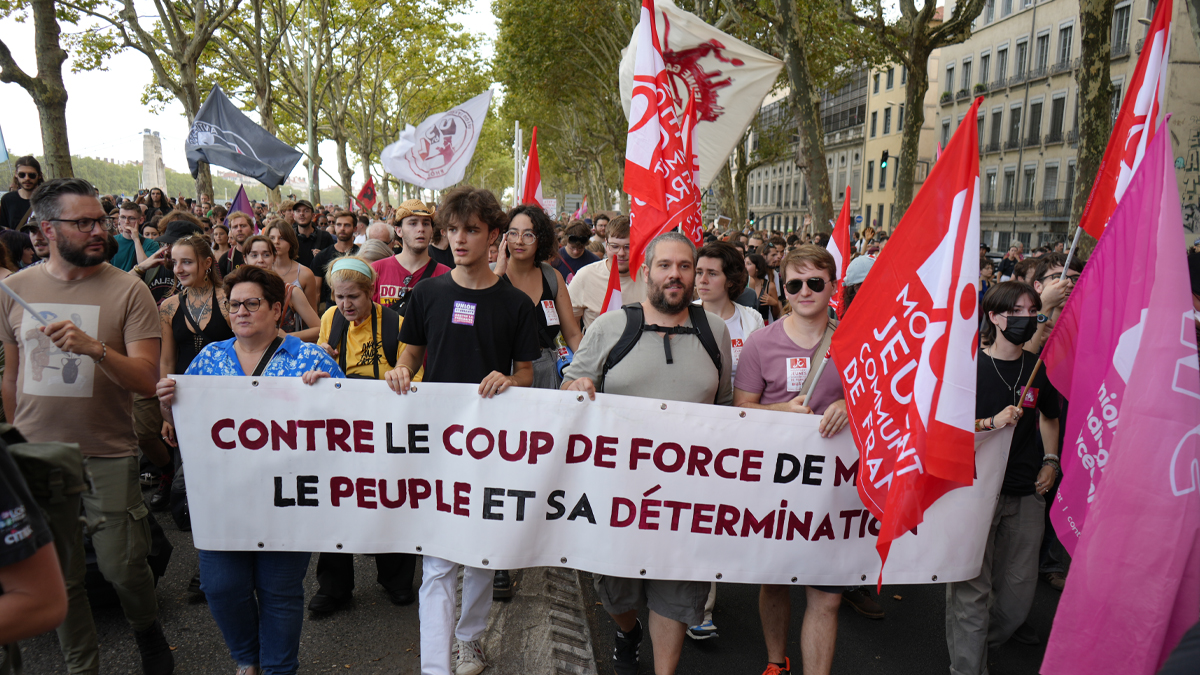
470, 658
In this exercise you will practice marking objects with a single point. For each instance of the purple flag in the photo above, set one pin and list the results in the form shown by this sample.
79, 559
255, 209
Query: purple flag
1125, 351
242, 203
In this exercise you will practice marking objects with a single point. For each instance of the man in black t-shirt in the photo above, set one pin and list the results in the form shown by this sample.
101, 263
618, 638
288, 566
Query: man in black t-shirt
467, 327
312, 239
14, 205
343, 228
985, 612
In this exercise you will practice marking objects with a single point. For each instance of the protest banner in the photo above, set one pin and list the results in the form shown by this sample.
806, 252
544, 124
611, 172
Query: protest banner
620, 485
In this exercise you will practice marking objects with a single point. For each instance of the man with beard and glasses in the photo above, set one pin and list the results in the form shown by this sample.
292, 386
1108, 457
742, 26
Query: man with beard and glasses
14, 205
344, 224
397, 275
312, 239
74, 381
668, 349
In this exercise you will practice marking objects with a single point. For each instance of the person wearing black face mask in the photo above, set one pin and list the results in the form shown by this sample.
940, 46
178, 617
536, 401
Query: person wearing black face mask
1010, 561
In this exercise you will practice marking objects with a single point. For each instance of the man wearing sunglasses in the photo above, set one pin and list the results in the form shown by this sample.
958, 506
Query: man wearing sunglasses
574, 256
73, 381
14, 205
774, 374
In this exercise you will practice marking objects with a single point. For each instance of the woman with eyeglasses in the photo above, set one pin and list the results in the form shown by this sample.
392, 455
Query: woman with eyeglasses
256, 597
574, 254
523, 252
992, 608
298, 317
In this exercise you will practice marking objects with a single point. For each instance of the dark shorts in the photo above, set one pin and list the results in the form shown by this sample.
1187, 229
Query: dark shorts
681, 601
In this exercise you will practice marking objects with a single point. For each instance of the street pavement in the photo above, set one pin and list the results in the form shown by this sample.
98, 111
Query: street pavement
910, 640
374, 636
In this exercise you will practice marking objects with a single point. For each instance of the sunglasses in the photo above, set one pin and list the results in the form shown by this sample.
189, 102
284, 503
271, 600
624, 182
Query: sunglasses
578, 241
22, 174
815, 284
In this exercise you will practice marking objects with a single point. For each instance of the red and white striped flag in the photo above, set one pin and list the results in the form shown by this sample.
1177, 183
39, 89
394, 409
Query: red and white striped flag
581, 212
1140, 116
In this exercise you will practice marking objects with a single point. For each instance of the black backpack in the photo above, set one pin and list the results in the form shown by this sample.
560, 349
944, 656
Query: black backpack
391, 336
635, 325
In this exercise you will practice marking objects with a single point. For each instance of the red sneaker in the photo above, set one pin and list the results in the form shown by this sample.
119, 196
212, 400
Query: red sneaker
773, 669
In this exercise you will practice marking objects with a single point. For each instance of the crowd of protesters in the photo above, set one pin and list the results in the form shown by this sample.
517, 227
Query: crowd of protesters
147, 288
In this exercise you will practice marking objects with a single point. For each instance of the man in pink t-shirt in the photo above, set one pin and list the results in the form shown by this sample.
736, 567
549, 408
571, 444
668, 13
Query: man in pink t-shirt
396, 276
773, 370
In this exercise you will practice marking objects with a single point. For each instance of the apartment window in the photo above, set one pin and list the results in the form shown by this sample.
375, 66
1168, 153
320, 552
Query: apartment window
1005, 8
1010, 185
882, 177
997, 119
985, 65
1050, 183
1070, 192
1064, 44
900, 119
945, 132
903, 74
1058, 113
1035, 121
966, 75
871, 175
1042, 55
891, 77
896, 171
1001, 64
950, 79
891, 212
1022, 56
979, 128
876, 83
989, 11
1120, 27
1014, 124
1030, 177
874, 119
1115, 102
758, 194
989, 188
887, 120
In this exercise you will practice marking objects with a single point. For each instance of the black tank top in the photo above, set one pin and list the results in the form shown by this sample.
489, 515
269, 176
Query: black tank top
189, 341
547, 334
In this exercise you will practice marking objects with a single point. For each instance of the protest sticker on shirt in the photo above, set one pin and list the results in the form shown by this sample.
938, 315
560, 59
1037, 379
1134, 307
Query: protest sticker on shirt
797, 372
736, 351
1030, 399
551, 312
464, 313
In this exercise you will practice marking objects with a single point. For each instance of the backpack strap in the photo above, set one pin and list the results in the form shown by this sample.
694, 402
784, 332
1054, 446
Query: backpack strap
634, 320
267, 356
338, 328
391, 335
551, 279
635, 325
700, 323
818, 357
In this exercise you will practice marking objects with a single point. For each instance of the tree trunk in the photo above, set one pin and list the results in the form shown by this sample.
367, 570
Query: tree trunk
46, 88
385, 190
1095, 96
1193, 8
344, 172
191, 98
804, 102
914, 120
727, 203
740, 196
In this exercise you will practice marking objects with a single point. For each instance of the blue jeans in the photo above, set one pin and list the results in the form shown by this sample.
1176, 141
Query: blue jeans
257, 600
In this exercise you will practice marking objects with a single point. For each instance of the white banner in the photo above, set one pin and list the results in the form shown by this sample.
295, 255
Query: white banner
727, 77
435, 154
621, 485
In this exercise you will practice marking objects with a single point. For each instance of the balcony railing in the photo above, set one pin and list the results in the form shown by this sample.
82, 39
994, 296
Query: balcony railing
1026, 205
1060, 67
1012, 144
1054, 137
1017, 79
1073, 136
1038, 73
1006, 205
987, 206
1055, 208
962, 95
1032, 141
947, 98
1120, 50
999, 84
994, 146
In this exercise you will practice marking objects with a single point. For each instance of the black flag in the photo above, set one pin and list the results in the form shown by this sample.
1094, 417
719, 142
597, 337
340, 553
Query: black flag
224, 136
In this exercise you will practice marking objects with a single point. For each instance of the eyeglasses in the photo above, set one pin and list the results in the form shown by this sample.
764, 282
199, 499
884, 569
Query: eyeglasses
624, 248
88, 224
251, 305
22, 174
816, 284
128, 219
1073, 278
526, 237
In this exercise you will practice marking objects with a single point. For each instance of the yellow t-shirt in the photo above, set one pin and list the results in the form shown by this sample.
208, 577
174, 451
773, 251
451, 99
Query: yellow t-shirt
363, 349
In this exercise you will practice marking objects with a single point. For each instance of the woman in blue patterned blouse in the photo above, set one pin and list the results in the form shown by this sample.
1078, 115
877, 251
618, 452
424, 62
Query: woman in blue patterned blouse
256, 597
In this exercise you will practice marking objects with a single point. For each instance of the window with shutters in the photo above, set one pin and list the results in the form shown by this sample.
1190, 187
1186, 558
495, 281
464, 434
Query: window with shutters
1064, 45
966, 75
1120, 28
1030, 177
1021, 58
887, 120
871, 175
1001, 64
1042, 55
1010, 186
874, 119
1050, 183
891, 77
950, 79
989, 189
985, 64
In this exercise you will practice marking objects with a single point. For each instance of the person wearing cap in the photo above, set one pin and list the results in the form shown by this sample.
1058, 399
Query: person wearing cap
397, 275
41, 245
312, 239
856, 273
1196, 246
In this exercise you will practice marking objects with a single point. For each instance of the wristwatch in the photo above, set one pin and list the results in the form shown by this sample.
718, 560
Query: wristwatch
1042, 318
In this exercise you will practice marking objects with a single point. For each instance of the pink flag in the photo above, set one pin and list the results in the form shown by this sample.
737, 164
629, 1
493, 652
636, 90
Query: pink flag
1124, 351
581, 212
242, 203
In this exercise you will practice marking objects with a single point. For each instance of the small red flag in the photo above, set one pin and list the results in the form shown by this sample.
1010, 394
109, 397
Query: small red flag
366, 196
839, 247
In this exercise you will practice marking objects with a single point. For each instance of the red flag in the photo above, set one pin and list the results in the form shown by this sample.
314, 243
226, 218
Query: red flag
839, 247
532, 193
366, 196
907, 354
1140, 116
612, 295
581, 212
659, 176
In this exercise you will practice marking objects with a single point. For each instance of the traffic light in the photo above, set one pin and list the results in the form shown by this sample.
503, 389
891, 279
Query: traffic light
751, 217
883, 160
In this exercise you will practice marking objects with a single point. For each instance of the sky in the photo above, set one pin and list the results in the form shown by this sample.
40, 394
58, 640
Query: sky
105, 117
